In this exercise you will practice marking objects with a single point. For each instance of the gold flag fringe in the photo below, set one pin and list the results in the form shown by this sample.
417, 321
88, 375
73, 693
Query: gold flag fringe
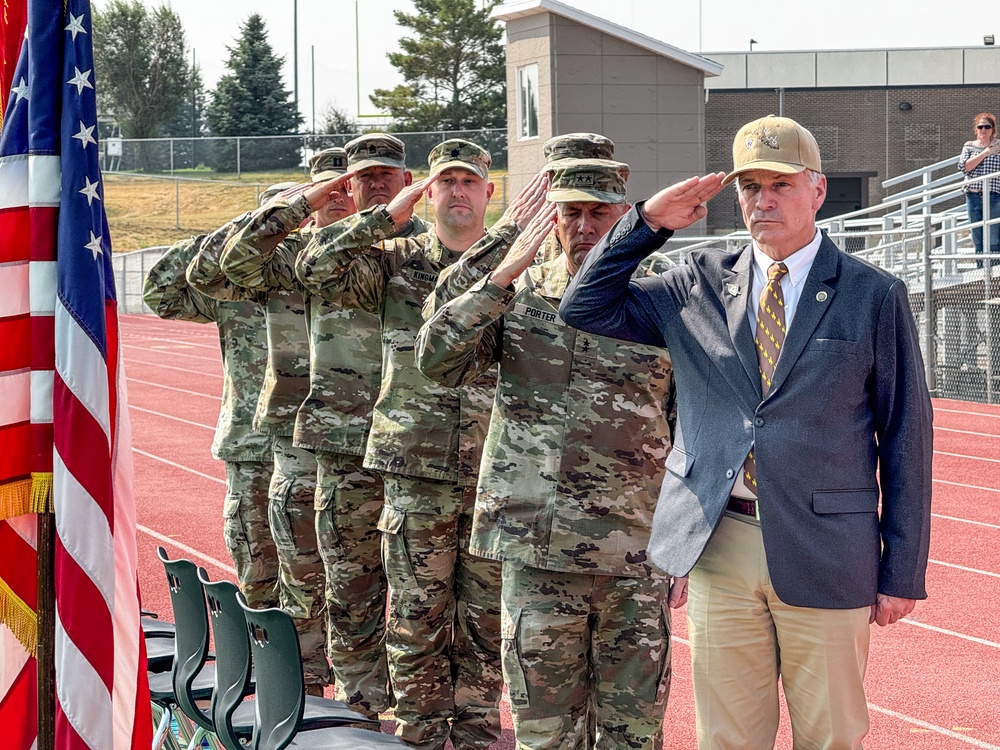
20, 618
24, 496
41, 492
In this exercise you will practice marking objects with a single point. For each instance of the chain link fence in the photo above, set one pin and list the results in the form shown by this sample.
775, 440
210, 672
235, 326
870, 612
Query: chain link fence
130, 271
238, 155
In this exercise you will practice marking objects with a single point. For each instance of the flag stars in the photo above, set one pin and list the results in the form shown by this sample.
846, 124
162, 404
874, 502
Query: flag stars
95, 245
81, 80
75, 25
21, 90
86, 135
90, 190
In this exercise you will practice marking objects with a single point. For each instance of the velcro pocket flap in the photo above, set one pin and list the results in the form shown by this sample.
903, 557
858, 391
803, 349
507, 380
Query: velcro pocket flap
391, 521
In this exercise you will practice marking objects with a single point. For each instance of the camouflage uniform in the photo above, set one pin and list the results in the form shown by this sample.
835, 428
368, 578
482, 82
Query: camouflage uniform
340, 499
443, 629
285, 386
247, 454
571, 471
570, 146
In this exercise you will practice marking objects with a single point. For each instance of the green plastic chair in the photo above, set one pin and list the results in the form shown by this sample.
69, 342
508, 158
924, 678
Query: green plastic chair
192, 677
281, 702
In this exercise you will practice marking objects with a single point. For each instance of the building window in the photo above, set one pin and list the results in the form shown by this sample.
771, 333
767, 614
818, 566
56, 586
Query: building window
527, 102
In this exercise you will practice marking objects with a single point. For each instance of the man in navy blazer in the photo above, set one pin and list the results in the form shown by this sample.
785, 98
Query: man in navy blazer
780, 461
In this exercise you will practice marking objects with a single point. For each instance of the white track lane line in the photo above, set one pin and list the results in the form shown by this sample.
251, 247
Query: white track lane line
168, 416
164, 350
967, 486
180, 342
906, 718
966, 432
933, 728
960, 411
952, 633
172, 388
179, 466
962, 455
966, 520
188, 370
965, 569
185, 548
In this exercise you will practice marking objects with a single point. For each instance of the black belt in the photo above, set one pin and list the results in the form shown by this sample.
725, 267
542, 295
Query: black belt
742, 506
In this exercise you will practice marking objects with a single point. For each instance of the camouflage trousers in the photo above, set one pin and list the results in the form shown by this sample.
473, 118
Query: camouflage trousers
443, 633
300, 569
586, 658
348, 503
247, 532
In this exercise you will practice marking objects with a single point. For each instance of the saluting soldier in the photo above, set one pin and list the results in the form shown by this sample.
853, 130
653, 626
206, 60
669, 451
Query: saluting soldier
570, 476
247, 454
443, 629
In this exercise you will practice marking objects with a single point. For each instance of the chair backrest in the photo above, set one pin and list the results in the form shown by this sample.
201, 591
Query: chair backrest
232, 656
274, 644
187, 598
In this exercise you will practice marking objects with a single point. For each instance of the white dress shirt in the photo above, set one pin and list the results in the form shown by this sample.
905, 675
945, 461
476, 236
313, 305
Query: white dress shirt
792, 282
798, 264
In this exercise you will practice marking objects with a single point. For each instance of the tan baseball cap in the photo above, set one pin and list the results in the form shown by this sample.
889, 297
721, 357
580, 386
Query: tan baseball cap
777, 144
587, 180
374, 150
460, 153
327, 164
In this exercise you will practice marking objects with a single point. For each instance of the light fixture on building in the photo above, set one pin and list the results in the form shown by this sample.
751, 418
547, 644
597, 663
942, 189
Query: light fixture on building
988, 40
905, 106
752, 43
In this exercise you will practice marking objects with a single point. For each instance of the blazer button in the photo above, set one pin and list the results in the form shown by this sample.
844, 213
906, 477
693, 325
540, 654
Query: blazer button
759, 422
730, 473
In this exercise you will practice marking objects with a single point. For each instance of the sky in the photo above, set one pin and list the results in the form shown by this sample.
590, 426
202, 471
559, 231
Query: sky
326, 29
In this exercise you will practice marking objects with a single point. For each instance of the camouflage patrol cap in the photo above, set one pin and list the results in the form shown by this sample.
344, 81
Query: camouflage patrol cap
460, 153
327, 164
578, 146
375, 150
273, 190
591, 180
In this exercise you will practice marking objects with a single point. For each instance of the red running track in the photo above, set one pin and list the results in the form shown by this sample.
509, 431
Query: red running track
933, 679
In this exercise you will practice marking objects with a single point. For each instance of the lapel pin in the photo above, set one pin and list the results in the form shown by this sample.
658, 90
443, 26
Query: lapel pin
733, 290
821, 296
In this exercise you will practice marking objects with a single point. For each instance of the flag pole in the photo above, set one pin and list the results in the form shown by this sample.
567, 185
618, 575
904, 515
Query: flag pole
45, 653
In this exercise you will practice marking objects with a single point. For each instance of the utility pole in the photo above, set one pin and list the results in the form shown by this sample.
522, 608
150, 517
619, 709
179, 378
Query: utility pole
295, 52
312, 78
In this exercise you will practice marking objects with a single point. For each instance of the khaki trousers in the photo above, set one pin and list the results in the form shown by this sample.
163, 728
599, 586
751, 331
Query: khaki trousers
743, 637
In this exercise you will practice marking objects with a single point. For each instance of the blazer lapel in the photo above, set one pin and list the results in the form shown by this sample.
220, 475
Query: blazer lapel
817, 296
737, 286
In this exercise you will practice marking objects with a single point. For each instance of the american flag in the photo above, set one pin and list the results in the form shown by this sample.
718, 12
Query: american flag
64, 431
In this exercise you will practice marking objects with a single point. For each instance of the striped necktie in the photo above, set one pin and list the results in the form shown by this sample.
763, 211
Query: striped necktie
770, 338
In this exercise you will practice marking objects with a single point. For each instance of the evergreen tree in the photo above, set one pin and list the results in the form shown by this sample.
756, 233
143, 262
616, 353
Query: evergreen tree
189, 122
250, 100
141, 70
454, 68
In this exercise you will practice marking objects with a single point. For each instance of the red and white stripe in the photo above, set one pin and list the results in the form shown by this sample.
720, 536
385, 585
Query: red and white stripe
97, 617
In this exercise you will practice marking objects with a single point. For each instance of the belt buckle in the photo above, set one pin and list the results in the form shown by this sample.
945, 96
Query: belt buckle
743, 506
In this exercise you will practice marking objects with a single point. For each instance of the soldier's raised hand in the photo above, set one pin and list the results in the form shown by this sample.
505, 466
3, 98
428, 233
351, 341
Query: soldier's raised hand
525, 248
682, 204
528, 202
318, 194
401, 207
